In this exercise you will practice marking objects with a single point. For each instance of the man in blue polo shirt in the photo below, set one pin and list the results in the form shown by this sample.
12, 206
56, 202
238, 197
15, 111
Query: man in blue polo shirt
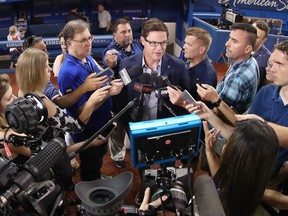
122, 45
271, 102
260, 51
76, 67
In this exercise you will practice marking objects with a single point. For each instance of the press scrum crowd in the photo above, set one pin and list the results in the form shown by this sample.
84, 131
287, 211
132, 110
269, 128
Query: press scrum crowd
244, 114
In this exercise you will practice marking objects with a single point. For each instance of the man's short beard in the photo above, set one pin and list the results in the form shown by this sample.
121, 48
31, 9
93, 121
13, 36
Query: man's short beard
125, 45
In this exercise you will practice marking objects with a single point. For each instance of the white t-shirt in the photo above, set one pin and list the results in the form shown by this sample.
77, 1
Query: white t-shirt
103, 18
57, 64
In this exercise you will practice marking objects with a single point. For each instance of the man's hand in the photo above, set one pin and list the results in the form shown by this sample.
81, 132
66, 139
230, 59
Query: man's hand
200, 109
207, 93
248, 116
210, 138
100, 95
111, 58
149, 207
92, 83
116, 87
175, 96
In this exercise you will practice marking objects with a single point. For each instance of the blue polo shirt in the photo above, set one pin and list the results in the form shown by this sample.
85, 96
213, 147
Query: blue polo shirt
206, 74
72, 74
262, 56
135, 48
268, 104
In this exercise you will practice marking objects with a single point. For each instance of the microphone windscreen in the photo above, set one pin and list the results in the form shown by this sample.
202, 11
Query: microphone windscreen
160, 83
206, 196
145, 78
39, 164
135, 71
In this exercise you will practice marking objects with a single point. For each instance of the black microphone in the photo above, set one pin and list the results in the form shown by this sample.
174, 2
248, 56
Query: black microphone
154, 75
144, 87
162, 93
128, 75
35, 168
168, 83
206, 196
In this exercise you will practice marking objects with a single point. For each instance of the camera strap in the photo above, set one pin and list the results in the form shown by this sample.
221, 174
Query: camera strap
168, 204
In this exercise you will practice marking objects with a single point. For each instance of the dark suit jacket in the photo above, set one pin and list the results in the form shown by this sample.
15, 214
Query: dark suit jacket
171, 66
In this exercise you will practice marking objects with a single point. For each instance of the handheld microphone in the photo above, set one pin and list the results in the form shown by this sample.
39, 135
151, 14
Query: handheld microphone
168, 83
127, 75
35, 168
154, 75
144, 87
162, 93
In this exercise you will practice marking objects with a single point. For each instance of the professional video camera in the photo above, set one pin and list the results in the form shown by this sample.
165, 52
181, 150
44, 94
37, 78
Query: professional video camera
228, 16
23, 115
167, 181
31, 187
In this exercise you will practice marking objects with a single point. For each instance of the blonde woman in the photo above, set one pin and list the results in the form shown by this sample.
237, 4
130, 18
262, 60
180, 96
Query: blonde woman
32, 75
13, 35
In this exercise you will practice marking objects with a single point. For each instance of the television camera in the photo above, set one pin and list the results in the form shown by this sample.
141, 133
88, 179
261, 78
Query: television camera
228, 16
31, 187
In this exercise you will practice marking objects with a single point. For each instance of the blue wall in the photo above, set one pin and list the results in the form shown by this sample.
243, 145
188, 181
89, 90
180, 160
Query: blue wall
217, 49
54, 11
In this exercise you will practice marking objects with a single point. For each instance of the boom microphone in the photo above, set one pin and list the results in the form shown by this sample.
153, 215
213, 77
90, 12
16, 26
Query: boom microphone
207, 198
35, 168
127, 76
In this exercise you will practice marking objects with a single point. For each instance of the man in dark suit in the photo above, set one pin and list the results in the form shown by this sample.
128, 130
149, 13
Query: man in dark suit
154, 61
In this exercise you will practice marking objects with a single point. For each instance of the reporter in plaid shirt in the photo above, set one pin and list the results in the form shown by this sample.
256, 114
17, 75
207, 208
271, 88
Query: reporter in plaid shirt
239, 85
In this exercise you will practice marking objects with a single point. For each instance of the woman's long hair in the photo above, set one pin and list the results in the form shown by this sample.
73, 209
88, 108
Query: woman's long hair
31, 70
246, 167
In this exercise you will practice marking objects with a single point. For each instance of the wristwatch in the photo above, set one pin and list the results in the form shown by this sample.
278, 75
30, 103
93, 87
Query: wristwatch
217, 103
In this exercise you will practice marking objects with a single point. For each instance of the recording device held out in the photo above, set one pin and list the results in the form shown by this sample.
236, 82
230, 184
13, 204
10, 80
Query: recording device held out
106, 72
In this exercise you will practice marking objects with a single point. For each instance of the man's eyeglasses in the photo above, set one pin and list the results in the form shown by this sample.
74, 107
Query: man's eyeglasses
155, 44
85, 41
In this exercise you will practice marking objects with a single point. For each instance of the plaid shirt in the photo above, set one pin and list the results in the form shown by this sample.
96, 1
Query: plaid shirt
239, 85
